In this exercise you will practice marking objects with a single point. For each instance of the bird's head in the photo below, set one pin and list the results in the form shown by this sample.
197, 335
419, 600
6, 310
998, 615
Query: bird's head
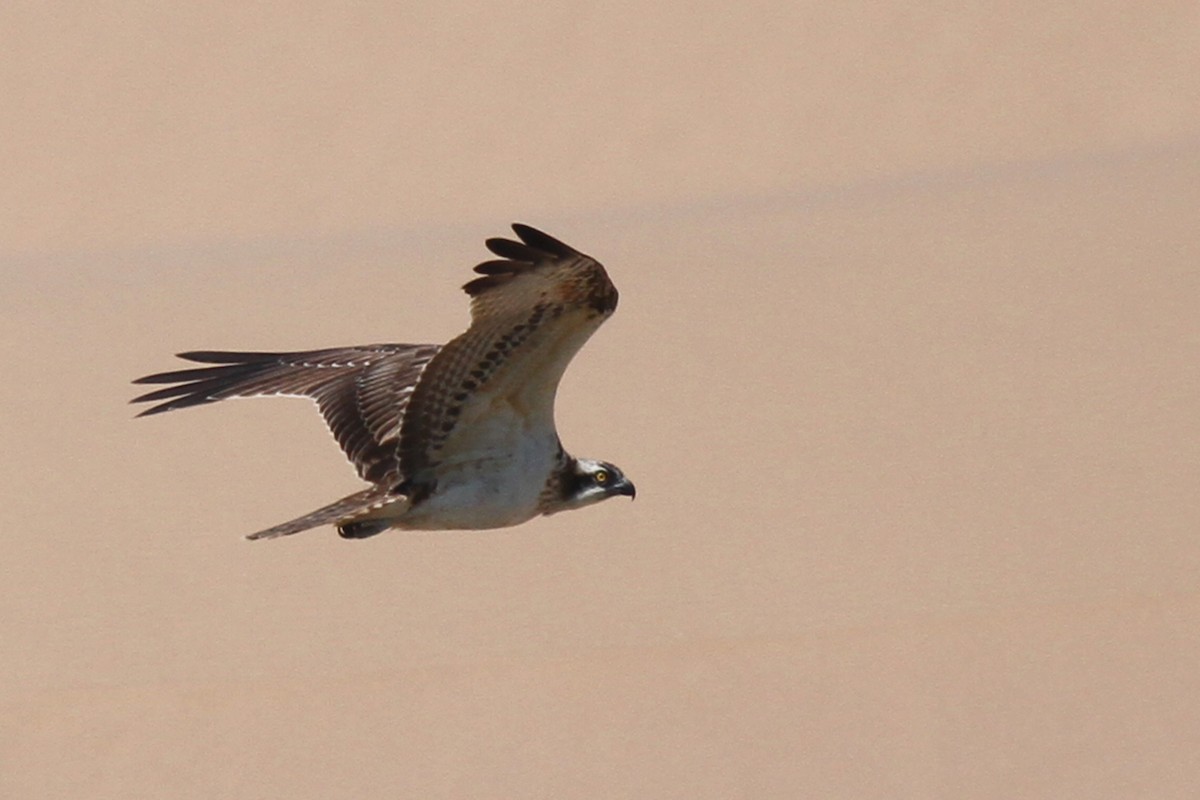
588, 481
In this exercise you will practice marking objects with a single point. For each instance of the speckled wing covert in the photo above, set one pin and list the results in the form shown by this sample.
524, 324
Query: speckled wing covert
531, 311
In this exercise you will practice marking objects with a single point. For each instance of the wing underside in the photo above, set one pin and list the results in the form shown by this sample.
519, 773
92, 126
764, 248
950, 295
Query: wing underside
530, 313
362, 392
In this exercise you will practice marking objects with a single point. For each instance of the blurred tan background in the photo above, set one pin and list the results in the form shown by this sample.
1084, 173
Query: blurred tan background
906, 371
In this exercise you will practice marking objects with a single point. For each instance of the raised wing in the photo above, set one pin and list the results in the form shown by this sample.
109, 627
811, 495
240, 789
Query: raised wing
362, 392
531, 311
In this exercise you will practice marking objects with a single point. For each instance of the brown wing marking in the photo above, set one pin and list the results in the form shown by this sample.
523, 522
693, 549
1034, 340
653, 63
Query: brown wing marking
530, 313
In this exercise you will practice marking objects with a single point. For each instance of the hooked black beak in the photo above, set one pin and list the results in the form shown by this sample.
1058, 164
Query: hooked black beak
625, 487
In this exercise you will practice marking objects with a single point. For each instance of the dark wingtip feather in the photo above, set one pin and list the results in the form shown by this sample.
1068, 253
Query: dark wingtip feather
149, 412
178, 376
494, 267
201, 385
535, 247
517, 251
478, 285
543, 241
227, 357
170, 405
176, 397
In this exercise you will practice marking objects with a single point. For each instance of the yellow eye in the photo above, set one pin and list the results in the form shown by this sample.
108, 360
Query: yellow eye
601, 477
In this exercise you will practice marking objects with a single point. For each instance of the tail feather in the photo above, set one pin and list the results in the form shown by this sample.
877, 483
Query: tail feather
350, 509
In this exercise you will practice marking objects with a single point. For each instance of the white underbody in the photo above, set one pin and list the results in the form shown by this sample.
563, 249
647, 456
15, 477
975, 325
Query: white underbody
497, 483
492, 471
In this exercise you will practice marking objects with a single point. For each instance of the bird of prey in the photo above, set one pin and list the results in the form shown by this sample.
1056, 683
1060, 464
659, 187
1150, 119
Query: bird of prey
452, 436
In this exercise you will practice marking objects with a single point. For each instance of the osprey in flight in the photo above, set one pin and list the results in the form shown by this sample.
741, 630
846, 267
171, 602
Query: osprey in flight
459, 435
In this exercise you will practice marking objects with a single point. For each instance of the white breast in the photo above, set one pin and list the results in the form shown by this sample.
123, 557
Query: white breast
492, 480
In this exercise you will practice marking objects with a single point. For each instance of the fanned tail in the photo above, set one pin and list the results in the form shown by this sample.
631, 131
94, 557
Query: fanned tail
355, 511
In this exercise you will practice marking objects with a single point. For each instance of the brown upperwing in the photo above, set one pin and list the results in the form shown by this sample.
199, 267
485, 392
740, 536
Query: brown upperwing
531, 311
362, 392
